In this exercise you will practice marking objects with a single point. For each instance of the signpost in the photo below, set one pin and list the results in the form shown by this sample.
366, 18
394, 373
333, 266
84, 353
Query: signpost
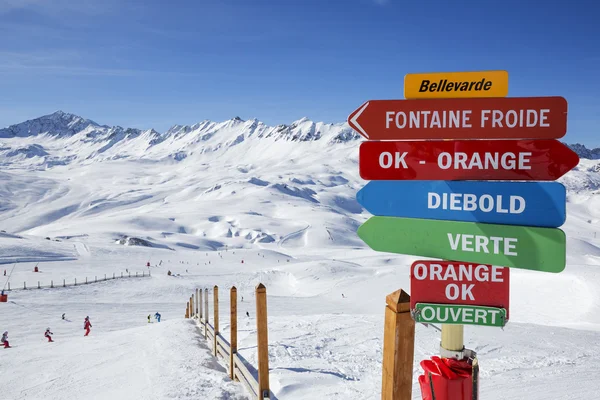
514, 203
458, 283
543, 160
532, 248
456, 84
482, 118
436, 194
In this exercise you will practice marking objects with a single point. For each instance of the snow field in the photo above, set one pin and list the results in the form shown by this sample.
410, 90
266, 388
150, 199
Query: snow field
207, 196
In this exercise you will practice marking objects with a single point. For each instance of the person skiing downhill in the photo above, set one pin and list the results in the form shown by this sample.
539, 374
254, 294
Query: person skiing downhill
5, 339
157, 316
87, 325
49, 334
148, 318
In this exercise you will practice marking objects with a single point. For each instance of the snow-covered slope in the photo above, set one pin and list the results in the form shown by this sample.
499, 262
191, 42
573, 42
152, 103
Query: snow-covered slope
85, 199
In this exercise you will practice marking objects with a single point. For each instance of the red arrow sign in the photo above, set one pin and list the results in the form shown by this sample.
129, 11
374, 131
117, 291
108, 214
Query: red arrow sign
542, 160
465, 118
449, 282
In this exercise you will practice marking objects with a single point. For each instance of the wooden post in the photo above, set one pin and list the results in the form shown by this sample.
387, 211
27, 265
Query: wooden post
398, 347
24, 285
187, 310
51, 283
207, 318
64, 283
263, 342
197, 315
200, 316
233, 329
193, 308
38, 284
216, 311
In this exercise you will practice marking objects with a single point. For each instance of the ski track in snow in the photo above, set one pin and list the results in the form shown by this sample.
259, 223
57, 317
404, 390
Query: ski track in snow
294, 235
205, 187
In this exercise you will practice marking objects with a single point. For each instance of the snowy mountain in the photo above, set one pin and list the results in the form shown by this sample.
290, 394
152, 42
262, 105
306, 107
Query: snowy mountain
57, 124
584, 152
62, 138
84, 139
237, 203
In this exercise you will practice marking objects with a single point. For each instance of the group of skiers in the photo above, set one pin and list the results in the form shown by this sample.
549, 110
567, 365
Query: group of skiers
156, 317
48, 334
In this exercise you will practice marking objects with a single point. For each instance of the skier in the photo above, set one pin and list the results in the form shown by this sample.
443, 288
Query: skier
157, 316
5, 339
48, 334
247, 314
148, 318
63, 316
87, 325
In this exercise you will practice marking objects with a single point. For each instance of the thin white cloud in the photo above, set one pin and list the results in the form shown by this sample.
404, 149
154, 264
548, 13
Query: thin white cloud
40, 64
60, 7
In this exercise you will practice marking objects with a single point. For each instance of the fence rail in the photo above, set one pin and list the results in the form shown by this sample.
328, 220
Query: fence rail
256, 380
87, 281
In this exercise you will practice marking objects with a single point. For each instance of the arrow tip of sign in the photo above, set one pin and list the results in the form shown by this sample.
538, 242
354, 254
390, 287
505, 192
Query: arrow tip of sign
571, 159
360, 196
353, 120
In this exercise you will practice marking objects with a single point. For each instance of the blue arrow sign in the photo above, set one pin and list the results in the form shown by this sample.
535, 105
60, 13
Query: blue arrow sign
509, 203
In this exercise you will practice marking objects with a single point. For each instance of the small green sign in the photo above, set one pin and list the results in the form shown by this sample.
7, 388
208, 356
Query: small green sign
459, 314
538, 249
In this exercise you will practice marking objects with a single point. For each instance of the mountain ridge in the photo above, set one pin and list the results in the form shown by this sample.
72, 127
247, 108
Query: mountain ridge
66, 125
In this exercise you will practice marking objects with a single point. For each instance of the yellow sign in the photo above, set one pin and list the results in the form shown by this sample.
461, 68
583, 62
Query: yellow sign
456, 84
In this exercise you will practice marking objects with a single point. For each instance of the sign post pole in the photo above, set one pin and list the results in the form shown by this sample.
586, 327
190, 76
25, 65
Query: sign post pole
452, 341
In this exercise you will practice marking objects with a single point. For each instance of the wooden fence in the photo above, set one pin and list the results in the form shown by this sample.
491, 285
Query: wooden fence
81, 282
256, 380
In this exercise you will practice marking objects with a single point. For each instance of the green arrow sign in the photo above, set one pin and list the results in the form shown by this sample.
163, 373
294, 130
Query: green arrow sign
538, 249
459, 314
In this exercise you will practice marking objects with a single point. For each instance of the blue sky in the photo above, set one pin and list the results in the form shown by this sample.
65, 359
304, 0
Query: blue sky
149, 64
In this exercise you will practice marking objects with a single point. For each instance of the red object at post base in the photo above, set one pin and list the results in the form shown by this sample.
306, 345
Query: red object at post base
446, 379
540, 160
